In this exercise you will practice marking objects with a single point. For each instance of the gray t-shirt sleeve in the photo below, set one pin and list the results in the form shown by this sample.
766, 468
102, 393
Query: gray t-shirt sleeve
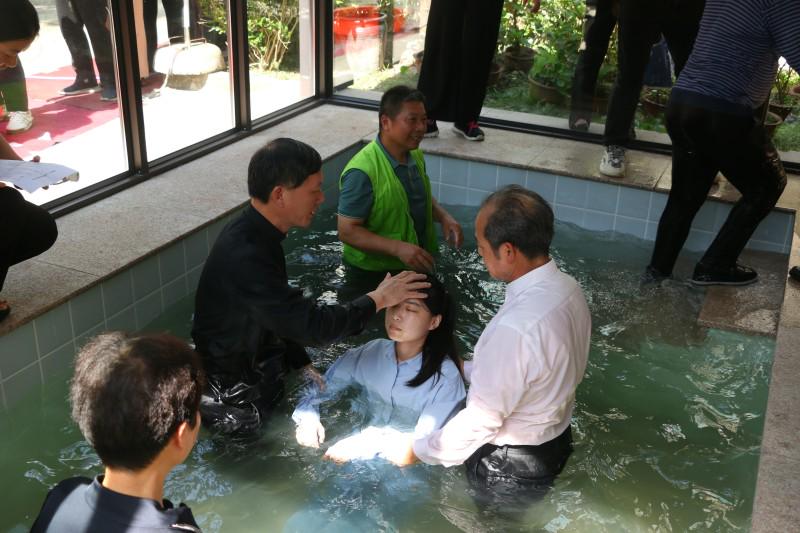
355, 196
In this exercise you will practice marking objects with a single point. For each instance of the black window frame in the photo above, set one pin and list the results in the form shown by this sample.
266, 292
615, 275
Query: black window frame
131, 111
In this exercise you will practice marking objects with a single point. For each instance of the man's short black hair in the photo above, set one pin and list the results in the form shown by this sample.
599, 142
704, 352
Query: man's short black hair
392, 100
521, 218
130, 393
285, 162
18, 20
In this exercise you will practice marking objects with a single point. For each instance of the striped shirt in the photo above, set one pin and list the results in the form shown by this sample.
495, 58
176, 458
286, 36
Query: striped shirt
735, 56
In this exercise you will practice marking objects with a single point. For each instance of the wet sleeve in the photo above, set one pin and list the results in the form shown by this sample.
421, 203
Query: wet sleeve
338, 377
295, 356
355, 195
446, 400
290, 314
495, 391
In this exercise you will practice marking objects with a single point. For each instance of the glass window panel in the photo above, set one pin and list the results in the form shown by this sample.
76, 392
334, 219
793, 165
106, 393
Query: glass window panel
183, 62
377, 44
53, 105
534, 66
281, 53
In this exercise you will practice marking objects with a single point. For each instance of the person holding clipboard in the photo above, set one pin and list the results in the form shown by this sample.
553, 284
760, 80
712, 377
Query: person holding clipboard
26, 230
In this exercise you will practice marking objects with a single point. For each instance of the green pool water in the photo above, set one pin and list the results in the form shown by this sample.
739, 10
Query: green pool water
667, 425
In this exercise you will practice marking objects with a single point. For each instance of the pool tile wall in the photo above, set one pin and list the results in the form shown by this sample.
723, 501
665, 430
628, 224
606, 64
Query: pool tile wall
44, 348
600, 206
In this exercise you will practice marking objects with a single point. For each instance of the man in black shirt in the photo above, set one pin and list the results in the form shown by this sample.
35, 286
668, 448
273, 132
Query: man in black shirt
136, 400
250, 325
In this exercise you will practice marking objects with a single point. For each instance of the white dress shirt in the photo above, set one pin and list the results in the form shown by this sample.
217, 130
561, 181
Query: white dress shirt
527, 364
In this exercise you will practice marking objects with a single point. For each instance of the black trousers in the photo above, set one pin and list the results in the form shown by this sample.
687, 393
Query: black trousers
173, 9
460, 42
13, 89
598, 25
507, 479
73, 16
641, 24
704, 142
28, 230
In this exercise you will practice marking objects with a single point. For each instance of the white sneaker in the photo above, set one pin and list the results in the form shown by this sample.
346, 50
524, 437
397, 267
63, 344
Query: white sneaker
613, 162
19, 121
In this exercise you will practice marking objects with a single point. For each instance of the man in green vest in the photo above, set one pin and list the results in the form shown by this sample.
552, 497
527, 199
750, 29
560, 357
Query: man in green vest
386, 210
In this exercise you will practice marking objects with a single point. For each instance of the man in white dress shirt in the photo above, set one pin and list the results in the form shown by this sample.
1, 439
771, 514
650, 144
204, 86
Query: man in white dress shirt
514, 434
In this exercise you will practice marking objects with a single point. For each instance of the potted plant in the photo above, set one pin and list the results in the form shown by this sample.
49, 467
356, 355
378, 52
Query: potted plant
516, 34
654, 100
781, 99
546, 81
557, 28
771, 123
271, 28
356, 21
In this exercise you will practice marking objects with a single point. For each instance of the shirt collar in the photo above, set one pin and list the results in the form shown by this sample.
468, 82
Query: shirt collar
139, 512
264, 226
392, 161
415, 362
534, 277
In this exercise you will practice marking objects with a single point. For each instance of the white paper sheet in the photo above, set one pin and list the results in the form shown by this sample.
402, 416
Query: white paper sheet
30, 176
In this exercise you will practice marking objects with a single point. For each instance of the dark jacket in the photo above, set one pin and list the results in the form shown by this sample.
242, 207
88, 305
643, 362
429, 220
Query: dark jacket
249, 324
82, 504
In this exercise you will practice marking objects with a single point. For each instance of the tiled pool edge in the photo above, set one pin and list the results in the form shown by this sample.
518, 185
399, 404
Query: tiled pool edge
775, 506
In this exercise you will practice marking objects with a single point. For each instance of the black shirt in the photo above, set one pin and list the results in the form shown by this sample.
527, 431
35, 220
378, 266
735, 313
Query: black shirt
80, 504
249, 324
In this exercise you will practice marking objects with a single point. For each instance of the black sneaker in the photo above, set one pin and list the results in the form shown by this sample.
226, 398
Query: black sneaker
735, 275
81, 86
794, 273
109, 94
470, 131
432, 130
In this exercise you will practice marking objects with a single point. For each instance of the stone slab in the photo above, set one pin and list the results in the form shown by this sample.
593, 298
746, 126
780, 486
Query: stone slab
754, 309
499, 146
775, 508
782, 421
36, 287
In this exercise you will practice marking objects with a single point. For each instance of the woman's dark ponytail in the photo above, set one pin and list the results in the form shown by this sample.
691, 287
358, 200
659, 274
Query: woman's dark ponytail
440, 343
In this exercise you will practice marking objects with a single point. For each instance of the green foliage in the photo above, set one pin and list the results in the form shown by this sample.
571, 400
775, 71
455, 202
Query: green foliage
547, 69
557, 31
516, 25
787, 137
785, 79
270, 27
658, 95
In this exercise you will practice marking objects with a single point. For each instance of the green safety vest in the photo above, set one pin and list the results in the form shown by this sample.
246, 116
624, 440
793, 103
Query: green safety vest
390, 215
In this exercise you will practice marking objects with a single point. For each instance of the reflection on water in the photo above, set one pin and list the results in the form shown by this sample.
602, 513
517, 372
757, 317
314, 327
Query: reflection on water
667, 425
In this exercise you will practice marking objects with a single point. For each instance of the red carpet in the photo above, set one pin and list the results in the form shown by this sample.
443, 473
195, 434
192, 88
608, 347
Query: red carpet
57, 118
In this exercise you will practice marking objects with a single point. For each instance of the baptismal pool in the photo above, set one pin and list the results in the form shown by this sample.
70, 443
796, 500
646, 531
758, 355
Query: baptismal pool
667, 425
